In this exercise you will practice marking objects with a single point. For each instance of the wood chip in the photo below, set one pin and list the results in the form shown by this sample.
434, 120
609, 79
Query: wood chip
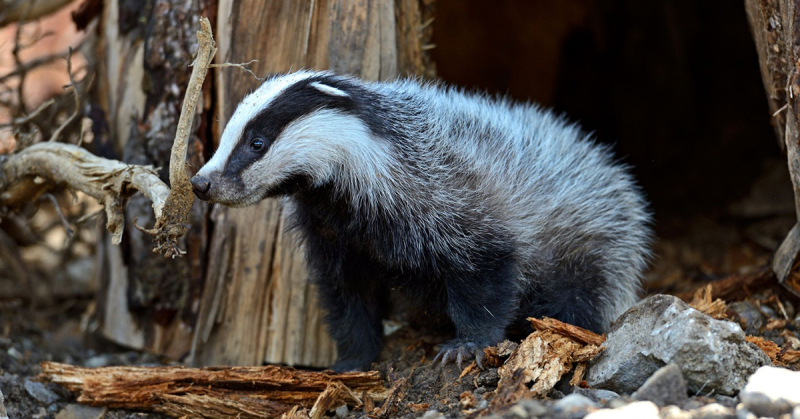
702, 301
575, 333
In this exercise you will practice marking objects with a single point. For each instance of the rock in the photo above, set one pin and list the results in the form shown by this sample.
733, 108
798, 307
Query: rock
342, 411
665, 387
674, 412
771, 392
713, 411
3, 414
712, 354
433, 414
39, 392
597, 395
636, 410
796, 413
79, 411
726, 400
749, 314
533, 408
574, 406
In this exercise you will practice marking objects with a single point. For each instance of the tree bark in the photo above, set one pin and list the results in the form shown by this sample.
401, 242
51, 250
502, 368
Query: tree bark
240, 296
775, 24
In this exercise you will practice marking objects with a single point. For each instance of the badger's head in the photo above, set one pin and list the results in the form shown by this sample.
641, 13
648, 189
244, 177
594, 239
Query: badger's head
297, 131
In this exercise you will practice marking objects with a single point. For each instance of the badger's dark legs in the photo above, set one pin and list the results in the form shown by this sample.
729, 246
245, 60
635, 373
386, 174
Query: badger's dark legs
481, 304
572, 295
355, 304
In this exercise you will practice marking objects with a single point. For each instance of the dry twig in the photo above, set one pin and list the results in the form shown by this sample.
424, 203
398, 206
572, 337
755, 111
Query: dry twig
174, 221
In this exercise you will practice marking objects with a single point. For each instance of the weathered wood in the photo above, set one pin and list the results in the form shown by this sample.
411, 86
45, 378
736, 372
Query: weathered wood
258, 305
575, 333
775, 24
236, 392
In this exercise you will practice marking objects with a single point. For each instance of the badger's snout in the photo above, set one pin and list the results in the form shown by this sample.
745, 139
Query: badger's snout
202, 187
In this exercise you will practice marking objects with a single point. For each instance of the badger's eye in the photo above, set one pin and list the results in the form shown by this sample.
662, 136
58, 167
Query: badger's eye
257, 144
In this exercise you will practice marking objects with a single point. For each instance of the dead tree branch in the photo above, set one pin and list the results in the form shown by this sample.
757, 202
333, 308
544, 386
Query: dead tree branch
25, 175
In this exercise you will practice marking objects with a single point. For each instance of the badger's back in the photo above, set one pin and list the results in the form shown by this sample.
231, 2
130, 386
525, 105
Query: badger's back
562, 196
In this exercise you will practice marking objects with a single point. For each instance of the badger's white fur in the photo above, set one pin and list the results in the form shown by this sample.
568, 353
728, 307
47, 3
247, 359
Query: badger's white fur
447, 171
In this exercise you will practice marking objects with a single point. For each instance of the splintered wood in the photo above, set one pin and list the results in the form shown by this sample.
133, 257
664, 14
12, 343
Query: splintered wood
701, 301
231, 392
540, 361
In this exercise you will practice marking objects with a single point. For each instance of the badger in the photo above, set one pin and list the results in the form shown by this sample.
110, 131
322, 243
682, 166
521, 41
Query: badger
484, 210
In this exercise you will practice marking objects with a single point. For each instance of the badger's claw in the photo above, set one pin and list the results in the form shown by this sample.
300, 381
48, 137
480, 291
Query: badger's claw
459, 351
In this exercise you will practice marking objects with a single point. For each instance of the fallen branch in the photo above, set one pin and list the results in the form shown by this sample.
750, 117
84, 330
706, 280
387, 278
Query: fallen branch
26, 175
234, 392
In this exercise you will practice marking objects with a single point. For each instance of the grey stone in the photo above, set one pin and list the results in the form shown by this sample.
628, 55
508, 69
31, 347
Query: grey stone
713, 411
726, 401
665, 387
796, 413
674, 412
3, 414
342, 411
597, 395
752, 316
79, 411
433, 414
771, 392
39, 392
574, 406
533, 408
635, 410
712, 354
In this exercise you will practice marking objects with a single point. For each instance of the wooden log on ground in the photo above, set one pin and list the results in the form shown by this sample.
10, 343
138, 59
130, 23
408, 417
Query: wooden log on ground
775, 24
235, 392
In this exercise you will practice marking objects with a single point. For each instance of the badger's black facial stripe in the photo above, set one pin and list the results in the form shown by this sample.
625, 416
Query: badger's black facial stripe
298, 100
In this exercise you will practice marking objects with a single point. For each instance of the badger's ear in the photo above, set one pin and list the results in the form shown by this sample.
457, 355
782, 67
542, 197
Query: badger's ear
328, 90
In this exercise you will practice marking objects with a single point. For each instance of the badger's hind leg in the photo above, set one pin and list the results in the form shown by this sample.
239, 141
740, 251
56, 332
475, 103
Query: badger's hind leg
481, 303
576, 293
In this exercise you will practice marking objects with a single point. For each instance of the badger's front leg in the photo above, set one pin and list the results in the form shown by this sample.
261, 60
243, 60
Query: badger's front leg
481, 303
355, 302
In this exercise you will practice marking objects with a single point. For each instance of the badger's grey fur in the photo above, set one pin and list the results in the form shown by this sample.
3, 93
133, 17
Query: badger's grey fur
481, 208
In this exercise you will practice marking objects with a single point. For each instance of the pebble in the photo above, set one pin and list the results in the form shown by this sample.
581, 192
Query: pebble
635, 410
433, 414
342, 411
39, 392
79, 411
665, 387
597, 395
796, 413
713, 411
3, 414
674, 412
771, 392
574, 406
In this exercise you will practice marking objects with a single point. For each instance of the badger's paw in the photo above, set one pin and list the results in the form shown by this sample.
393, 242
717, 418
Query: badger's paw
459, 351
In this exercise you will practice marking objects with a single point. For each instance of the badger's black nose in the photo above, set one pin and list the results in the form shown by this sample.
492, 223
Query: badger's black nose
201, 186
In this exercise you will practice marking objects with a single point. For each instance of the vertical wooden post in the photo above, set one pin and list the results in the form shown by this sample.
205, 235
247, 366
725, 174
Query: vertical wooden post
775, 24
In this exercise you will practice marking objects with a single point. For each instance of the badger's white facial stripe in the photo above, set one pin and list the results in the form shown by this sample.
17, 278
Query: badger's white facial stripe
319, 145
324, 88
247, 109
